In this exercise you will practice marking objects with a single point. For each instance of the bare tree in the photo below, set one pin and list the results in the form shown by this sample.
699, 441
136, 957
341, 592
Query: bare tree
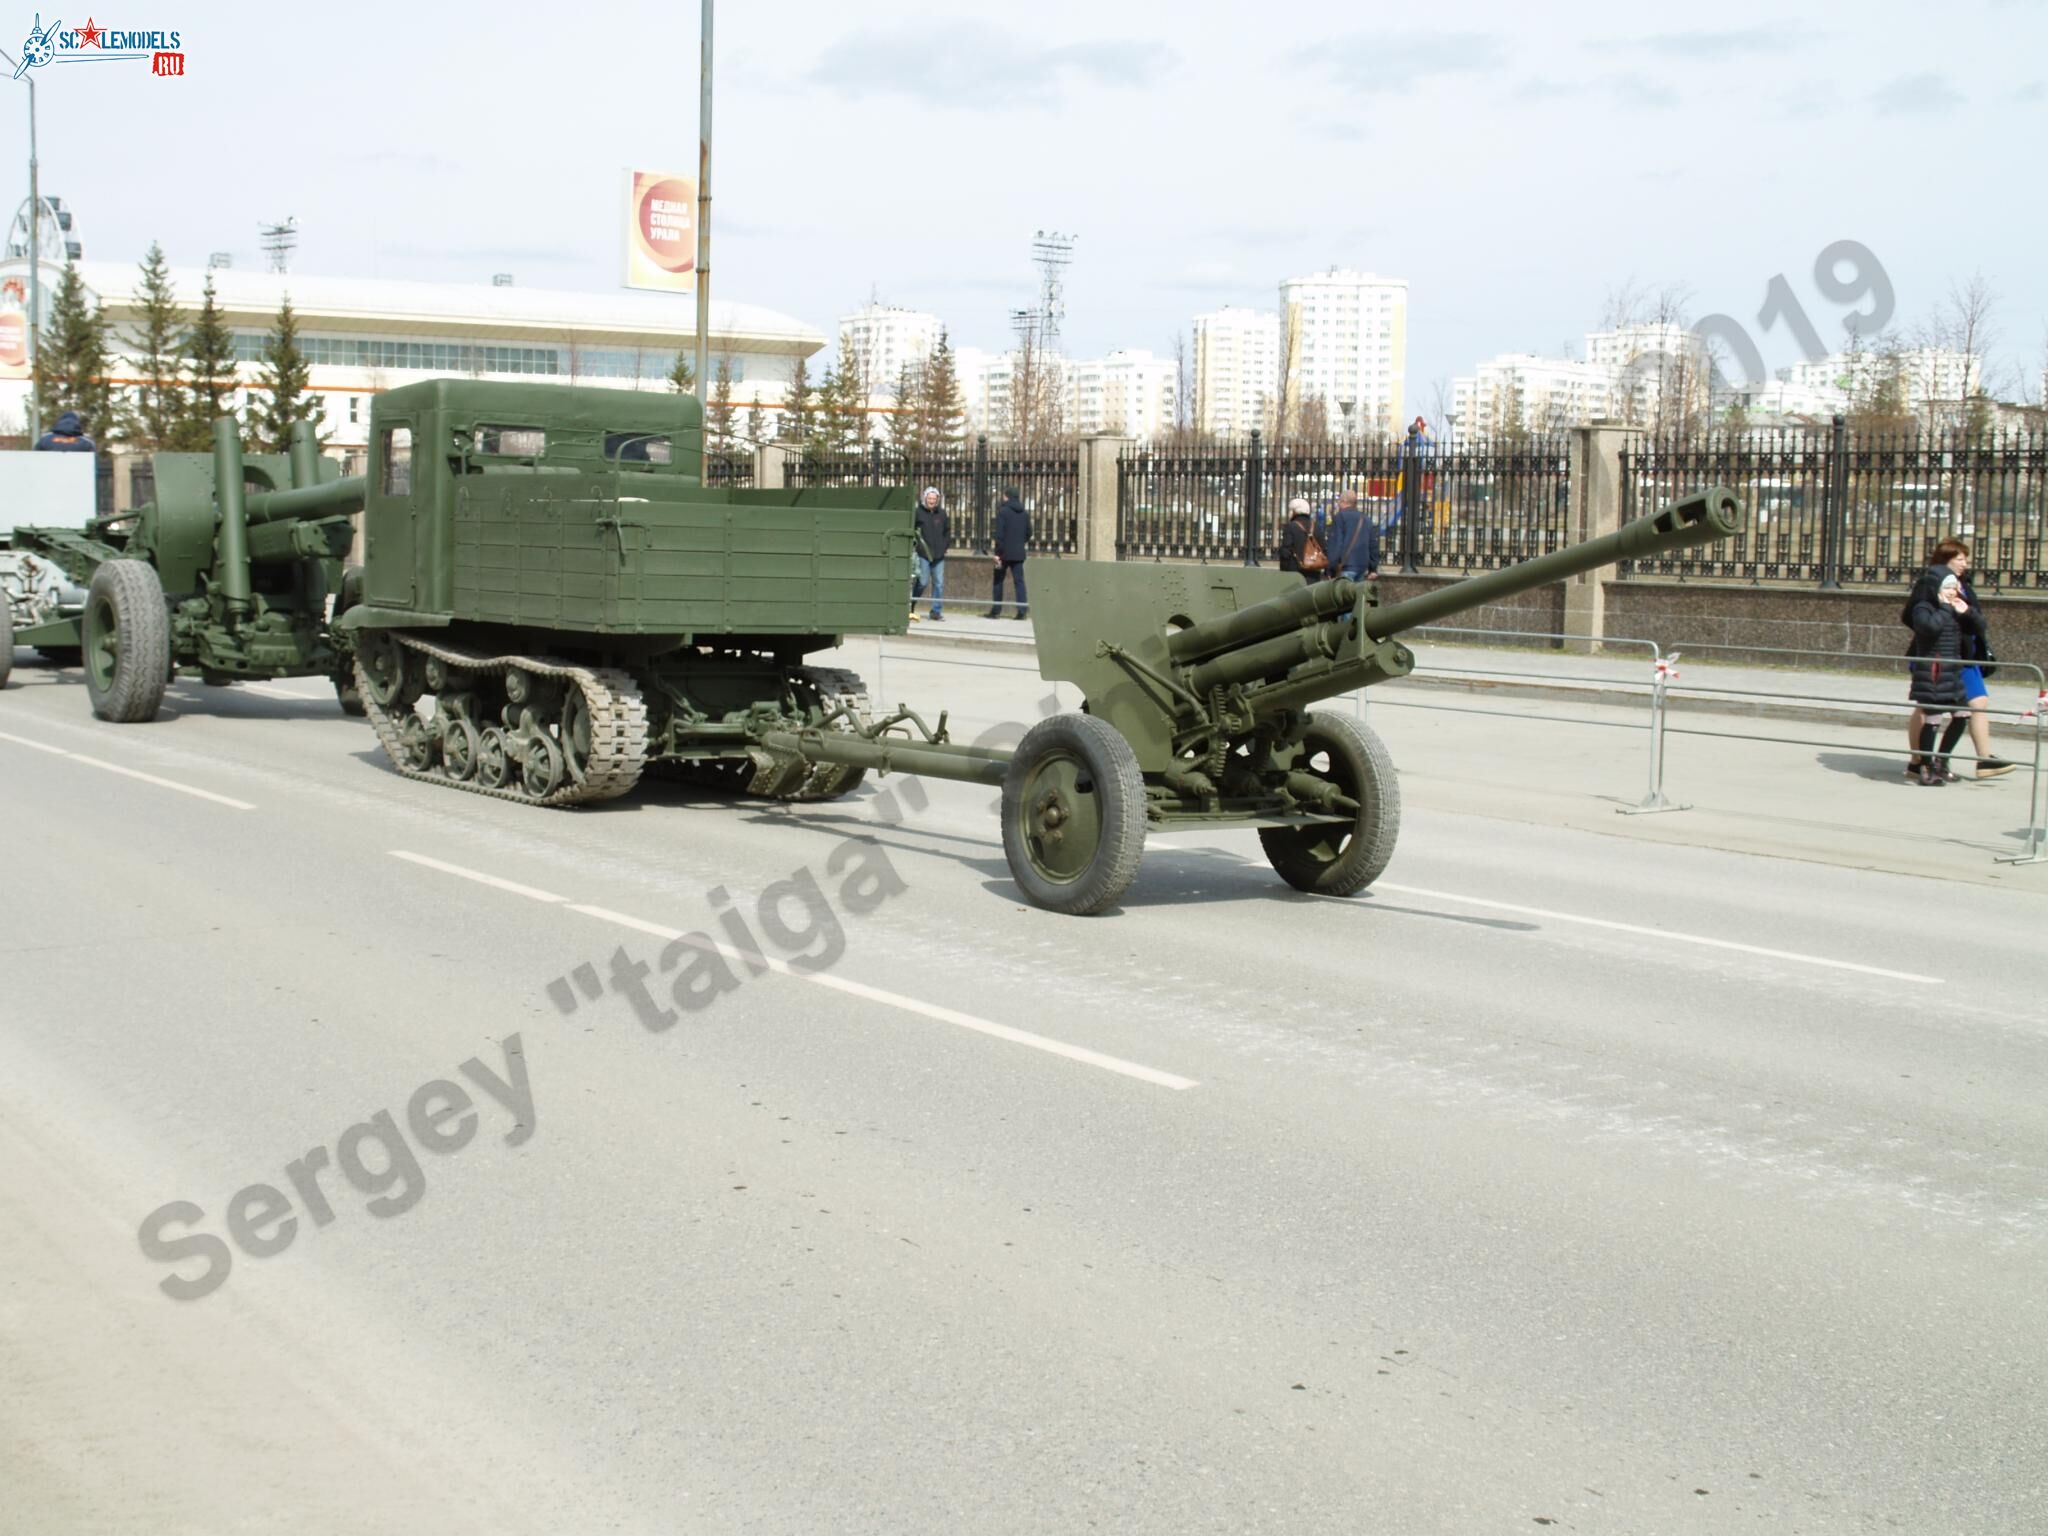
1312, 420
1441, 402
1038, 395
1185, 418
1286, 406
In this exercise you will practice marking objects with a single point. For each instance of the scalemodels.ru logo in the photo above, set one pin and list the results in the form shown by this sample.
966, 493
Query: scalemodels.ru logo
93, 43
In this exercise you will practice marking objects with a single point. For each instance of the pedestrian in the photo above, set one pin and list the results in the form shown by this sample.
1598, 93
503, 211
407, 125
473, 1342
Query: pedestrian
1352, 543
1952, 557
68, 436
1937, 668
1013, 539
934, 538
1298, 550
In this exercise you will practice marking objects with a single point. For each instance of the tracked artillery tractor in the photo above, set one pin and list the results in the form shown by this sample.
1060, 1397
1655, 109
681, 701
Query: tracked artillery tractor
554, 604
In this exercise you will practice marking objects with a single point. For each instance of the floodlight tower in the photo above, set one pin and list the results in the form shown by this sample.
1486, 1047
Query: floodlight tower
279, 240
1053, 252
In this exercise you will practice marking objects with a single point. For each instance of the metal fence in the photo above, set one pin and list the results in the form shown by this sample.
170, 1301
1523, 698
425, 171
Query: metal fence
970, 482
1833, 507
1476, 507
732, 470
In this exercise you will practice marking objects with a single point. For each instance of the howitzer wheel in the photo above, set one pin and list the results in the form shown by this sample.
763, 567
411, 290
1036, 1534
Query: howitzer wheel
1073, 814
127, 634
1341, 858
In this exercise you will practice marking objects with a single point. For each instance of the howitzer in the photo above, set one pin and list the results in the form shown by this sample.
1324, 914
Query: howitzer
232, 569
1198, 684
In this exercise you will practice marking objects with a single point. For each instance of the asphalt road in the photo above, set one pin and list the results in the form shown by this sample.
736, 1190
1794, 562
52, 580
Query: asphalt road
1568, 1180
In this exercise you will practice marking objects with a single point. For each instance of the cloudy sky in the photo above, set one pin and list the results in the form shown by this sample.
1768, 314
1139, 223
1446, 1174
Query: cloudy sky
1513, 162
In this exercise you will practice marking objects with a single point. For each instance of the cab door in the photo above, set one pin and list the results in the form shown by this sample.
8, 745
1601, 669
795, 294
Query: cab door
391, 516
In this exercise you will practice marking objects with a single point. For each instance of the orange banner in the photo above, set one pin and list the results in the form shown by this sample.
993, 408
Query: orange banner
661, 232
13, 329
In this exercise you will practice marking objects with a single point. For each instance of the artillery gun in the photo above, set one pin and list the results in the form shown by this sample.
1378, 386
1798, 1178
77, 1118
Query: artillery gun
1198, 685
232, 569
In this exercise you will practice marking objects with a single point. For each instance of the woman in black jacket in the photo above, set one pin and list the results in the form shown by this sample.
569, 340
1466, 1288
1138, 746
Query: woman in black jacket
1937, 668
1953, 556
1294, 537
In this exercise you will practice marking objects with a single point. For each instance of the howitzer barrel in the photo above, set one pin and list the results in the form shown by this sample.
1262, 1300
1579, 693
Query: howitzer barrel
1699, 519
308, 501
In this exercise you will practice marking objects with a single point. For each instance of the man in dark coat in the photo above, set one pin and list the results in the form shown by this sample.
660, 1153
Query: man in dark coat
934, 538
1013, 538
68, 436
1352, 542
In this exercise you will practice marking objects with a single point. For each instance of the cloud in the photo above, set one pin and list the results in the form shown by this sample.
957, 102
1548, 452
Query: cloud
1545, 90
1392, 63
1715, 45
969, 64
2033, 90
1917, 93
1636, 91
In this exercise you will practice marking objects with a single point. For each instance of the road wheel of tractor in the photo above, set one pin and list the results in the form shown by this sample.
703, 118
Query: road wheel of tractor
1073, 814
493, 762
349, 697
1341, 858
461, 748
6, 640
390, 671
127, 642
541, 769
416, 744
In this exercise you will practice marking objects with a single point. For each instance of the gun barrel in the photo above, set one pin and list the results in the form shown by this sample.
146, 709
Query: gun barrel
1699, 519
308, 501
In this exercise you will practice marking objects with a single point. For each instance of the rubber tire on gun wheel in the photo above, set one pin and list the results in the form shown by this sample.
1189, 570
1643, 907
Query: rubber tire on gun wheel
127, 632
1087, 767
1330, 859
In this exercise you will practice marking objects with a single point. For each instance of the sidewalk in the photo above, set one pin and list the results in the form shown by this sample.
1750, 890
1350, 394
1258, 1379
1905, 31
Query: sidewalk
1622, 672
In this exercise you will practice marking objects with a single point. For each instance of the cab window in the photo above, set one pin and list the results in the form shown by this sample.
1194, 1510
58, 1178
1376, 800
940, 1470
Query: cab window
395, 448
637, 447
511, 442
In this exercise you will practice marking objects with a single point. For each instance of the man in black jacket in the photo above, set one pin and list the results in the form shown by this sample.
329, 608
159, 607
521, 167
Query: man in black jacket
934, 538
68, 436
1013, 537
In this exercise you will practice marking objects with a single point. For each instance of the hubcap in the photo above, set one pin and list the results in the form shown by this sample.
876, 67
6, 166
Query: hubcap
103, 644
1062, 818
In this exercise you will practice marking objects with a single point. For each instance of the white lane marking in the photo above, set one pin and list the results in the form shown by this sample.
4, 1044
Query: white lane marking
914, 1005
478, 876
852, 988
132, 773
279, 693
1663, 934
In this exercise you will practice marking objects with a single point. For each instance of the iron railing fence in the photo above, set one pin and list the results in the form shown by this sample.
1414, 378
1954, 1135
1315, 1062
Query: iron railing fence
1830, 507
1478, 506
735, 471
970, 482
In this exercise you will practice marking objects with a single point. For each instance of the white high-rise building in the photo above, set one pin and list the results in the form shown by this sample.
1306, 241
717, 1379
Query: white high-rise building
1521, 391
886, 340
1347, 333
1237, 369
1131, 393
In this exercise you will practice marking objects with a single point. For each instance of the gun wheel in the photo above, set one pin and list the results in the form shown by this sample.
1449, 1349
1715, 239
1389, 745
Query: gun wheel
1073, 814
127, 634
1341, 858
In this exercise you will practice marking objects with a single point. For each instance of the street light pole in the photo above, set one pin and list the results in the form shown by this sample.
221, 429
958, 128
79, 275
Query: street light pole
704, 205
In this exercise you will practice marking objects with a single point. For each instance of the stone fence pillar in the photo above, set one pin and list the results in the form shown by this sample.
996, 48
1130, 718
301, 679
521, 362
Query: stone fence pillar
1097, 531
1595, 510
770, 459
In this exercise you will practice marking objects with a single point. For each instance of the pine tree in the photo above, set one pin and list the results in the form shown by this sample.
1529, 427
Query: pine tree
798, 405
210, 376
71, 359
719, 418
683, 377
160, 398
757, 424
284, 377
904, 435
842, 423
943, 412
